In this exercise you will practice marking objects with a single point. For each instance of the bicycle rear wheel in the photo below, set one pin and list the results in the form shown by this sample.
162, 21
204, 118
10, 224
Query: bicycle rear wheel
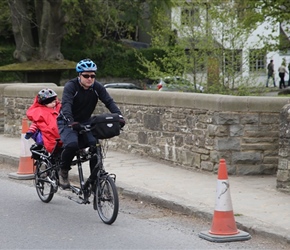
106, 200
44, 187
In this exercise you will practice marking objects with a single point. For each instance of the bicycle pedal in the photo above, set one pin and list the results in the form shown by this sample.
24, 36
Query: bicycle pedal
75, 190
79, 200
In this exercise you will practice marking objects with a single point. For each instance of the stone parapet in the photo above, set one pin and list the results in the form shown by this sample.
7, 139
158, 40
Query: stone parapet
17, 98
187, 129
283, 172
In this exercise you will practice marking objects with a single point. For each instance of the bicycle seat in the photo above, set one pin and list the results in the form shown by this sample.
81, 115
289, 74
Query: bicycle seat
37, 150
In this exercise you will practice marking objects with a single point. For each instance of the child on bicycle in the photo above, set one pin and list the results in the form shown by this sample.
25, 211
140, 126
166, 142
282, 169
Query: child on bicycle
43, 113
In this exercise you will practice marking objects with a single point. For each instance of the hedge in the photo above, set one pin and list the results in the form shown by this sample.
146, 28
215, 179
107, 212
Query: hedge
112, 59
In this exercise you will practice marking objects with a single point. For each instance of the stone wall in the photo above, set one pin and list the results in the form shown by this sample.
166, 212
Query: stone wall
16, 98
283, 172
195, 131
189, 130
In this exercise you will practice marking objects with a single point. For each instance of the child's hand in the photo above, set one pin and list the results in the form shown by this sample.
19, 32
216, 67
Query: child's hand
28, 135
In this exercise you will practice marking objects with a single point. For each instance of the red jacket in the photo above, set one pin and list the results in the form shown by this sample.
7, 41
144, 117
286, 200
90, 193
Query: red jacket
45, 120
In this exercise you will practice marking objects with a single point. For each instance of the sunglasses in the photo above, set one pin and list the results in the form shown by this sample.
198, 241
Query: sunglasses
89, 76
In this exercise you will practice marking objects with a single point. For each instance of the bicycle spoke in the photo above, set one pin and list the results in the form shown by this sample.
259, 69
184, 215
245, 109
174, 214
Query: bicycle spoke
44, 185
107, 201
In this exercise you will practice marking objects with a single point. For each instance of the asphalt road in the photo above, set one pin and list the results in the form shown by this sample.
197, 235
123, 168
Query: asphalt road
28, 223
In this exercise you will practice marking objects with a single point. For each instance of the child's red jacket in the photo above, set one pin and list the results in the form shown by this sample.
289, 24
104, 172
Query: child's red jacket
45, 120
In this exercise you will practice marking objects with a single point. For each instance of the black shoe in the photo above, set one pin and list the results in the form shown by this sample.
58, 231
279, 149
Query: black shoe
63, 179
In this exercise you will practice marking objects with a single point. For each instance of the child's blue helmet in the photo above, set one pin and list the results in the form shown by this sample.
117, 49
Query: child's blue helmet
86, 65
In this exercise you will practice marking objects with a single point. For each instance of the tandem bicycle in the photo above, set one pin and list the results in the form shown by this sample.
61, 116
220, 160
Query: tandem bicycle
99, 188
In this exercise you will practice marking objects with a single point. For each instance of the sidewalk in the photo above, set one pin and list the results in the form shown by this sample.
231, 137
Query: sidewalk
257, 205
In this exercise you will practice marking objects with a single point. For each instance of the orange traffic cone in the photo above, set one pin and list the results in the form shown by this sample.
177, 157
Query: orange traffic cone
223, 226
26, 164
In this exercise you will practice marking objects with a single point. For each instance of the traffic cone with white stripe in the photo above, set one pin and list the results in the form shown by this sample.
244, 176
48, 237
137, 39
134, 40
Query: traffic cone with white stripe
26, 164
223, 228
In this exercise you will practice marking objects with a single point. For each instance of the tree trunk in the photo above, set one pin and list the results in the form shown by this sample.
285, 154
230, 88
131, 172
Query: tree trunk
22, 30
212, 71
55, 32
42, 24
50, 21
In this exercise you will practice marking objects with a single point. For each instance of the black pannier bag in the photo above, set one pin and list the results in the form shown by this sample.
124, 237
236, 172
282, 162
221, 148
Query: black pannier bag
105, 126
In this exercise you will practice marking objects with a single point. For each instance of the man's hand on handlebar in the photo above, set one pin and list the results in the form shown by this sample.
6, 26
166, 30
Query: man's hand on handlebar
80, 128
121, 121
76, 126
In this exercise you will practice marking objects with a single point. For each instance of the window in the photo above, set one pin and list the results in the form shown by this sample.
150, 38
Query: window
190, 16
257, 60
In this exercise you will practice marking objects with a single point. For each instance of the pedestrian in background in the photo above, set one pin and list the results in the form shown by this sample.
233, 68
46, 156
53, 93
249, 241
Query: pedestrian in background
282, 71
271, 72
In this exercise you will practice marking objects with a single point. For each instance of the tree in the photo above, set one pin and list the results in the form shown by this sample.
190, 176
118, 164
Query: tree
277, 11
109, 19
213, 35
38, 28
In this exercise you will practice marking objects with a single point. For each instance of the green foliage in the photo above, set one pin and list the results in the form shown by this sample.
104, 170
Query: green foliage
158, 62
91, 20
275, 11
113, 59
242, 90
6, 55
6, 34
166, 58
93, 24
207, 45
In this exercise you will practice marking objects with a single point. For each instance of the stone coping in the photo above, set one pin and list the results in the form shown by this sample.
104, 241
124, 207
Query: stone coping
165, 99
200, 101
27, 89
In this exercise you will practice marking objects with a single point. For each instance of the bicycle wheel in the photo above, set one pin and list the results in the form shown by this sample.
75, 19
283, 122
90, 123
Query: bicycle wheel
44, 187
106, 200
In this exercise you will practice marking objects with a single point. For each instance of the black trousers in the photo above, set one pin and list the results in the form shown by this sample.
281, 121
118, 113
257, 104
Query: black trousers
282, 81
72, 142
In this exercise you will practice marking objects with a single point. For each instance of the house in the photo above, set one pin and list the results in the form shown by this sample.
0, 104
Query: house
240, 56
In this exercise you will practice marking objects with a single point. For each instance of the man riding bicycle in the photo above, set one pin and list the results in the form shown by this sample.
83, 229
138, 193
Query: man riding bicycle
79, 99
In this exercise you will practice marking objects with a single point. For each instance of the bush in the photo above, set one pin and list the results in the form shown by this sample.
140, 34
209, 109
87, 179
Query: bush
6, 54
113, 59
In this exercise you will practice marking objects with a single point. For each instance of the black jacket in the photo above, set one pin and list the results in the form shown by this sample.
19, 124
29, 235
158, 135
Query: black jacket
78, 103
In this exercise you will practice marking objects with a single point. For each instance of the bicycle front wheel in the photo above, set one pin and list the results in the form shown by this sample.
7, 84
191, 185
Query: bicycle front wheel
106, 200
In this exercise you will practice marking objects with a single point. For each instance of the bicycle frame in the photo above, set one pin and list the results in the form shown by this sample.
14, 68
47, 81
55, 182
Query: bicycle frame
84, 185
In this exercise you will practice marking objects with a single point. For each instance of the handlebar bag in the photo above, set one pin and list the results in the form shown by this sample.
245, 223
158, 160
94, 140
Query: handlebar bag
105, 126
